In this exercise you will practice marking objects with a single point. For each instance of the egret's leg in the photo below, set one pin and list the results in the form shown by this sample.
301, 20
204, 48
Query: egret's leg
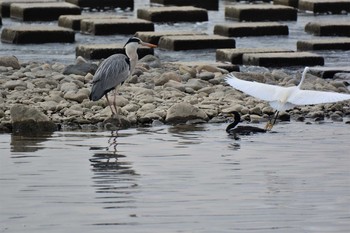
109, 104
272, 121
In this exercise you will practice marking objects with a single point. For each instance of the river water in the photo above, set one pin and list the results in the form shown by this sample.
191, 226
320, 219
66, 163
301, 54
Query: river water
178, 179
65, 53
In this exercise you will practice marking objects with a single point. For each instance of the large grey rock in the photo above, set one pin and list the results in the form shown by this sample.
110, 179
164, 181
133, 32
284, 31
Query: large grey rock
10, 61
29, 120
183, 112
325, 6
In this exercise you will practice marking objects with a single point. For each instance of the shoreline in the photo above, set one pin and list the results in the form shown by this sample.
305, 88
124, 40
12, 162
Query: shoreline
157, 93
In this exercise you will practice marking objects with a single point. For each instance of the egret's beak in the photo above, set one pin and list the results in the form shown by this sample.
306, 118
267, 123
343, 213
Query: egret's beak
148, 45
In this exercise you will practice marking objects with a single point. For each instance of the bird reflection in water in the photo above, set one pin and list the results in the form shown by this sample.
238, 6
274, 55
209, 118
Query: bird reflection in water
114, 179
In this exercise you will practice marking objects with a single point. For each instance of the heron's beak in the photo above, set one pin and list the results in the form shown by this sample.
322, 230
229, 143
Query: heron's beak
149, 45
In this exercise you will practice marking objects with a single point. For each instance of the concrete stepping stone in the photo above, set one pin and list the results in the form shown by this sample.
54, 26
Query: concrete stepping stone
114, 26
292, 3
329, 72
283, 59
206, 4
6, 4
99, 51
251, 29
328, 28
325, 6
154, 37
177, 43
49, 11
324, 44
74, 21
37, 34
235, 56
221, 65
102, 4
173, 14
261, 12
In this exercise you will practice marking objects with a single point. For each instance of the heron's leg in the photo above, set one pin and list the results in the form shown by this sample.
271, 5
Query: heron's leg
109, 104
114, 99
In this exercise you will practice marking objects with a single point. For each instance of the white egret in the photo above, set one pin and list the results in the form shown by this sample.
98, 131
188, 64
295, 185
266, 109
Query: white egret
115, 70
284, 98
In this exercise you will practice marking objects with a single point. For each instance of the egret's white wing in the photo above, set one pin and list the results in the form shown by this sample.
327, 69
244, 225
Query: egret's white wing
305, 97
258, 90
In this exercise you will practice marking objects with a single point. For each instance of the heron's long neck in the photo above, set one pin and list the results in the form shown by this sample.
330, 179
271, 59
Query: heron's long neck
234, 123
131, 52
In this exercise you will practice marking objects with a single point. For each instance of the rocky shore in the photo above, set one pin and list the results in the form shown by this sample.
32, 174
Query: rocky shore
56, 96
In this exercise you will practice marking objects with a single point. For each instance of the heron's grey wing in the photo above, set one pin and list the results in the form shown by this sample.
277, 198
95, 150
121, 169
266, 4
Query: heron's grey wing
258, 90
306, 97
111, 72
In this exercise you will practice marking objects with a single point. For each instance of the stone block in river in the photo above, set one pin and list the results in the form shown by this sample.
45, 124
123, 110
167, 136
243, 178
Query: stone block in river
251, 29
37, 34
5, 5
103, 4
235, 56
328, 28
177, 43
154, 37
115, 26
206, 4
292, 3
324, 44
283, 59
74, 21
261, 12
49, 11
173, 14
99, 51
325, 6
329, 72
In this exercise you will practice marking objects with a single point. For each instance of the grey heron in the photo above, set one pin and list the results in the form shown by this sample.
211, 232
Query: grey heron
284, 98
113, 71
231, 129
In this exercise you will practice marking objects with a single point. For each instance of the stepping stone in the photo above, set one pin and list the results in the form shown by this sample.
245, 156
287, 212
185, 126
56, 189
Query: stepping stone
37, 34
261, 12
99, 51
102, 4
325, 6
153, 37
329, 72
6, 4
292, 3
49, 11
283, 59
177, 43
173, 14
251, 29
206, 4
329, 28
114, 26
74, 21
235, 56
228, 67
324, 44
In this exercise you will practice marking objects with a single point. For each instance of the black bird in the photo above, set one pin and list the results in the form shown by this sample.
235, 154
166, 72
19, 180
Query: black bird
231, 129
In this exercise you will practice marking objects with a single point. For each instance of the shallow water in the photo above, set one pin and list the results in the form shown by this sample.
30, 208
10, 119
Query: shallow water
178, 179
65, 53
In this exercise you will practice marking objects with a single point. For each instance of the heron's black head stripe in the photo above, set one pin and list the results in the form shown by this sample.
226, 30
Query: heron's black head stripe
133, 39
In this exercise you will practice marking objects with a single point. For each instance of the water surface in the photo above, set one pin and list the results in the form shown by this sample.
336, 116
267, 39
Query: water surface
178, 179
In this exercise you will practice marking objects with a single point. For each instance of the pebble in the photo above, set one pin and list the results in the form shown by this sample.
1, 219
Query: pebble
160, 93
